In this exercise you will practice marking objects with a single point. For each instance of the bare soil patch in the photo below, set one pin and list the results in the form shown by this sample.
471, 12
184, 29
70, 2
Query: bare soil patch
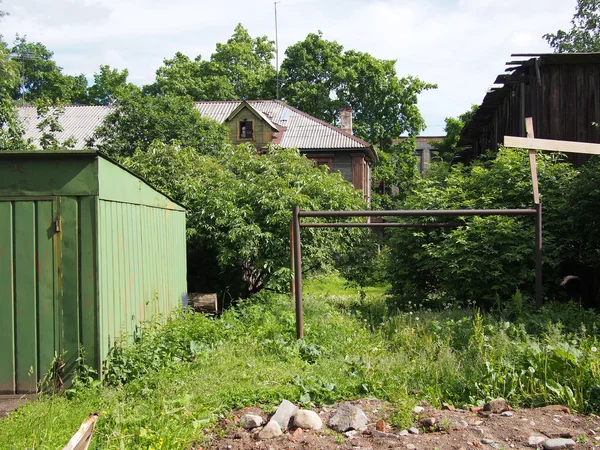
453, 429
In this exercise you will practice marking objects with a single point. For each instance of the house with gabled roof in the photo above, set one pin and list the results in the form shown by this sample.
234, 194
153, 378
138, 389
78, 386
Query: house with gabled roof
259, 122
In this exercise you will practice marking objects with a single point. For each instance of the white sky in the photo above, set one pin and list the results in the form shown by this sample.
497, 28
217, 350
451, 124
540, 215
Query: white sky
459, 44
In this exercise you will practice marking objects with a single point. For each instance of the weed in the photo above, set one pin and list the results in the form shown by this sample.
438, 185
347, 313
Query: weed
184, 372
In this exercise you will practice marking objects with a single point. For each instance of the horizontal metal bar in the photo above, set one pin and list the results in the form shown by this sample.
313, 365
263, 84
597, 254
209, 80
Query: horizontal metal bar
378, 225
423, 213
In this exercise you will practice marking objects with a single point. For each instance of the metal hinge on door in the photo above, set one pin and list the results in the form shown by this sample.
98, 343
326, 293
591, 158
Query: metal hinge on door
57, 224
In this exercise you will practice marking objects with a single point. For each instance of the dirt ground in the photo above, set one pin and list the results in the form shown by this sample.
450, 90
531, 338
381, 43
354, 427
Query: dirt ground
9, 403
453, 429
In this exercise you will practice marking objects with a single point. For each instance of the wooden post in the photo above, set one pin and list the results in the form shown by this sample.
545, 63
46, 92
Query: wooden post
298, 273
293, 282
533, 162
539, 298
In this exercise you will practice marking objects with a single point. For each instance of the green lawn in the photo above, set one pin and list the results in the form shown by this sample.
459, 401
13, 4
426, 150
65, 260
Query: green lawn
181, 377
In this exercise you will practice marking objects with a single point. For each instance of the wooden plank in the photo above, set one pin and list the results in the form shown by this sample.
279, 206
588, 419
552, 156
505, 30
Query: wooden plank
88, 316
45, 283
7, 306
70, 282
25, 297
532, 161
552, 145
81, 439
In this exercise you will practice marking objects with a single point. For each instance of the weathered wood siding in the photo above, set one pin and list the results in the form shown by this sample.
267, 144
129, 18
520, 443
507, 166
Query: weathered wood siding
262, 133
560, 92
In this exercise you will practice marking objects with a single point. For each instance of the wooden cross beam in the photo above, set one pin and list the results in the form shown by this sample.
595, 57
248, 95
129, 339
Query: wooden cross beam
552, 145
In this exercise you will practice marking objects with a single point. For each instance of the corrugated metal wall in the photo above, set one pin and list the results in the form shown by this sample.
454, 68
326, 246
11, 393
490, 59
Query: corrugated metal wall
47, 294
116, 257
142, 266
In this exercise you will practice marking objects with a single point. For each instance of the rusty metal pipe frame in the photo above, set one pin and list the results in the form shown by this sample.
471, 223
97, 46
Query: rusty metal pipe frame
297, 256
378, 225
422, 213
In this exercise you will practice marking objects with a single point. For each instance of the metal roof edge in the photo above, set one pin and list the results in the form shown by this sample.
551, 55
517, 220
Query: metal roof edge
322, 122
116, 163
83, 153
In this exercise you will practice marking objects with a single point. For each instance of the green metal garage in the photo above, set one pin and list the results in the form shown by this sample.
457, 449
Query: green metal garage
87, 251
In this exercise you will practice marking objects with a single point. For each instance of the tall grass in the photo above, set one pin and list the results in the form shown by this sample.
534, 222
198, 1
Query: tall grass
165, 390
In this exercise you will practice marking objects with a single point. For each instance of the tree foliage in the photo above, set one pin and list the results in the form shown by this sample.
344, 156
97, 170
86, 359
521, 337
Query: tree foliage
109, 85
11, 130
319, 78
484, 258
239, 69
584, 35
239, 209
140, 120
42, 77
448, 147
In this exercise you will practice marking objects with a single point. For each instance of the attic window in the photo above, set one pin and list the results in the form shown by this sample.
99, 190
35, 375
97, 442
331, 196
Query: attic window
246, 129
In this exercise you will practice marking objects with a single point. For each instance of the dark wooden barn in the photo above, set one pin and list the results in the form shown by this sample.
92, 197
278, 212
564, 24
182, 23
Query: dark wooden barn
560, 91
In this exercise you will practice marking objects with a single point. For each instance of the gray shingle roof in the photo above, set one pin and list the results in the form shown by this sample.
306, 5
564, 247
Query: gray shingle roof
300, 130
78, 122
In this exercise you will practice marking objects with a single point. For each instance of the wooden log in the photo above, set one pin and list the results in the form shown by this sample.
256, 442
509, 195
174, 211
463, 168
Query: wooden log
206, 303
81, 439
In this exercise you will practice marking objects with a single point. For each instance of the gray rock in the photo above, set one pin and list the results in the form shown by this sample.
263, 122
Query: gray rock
270, 431
348, 417
496, 406
284, 413
534, 441
478, 430
553, 444
309, 420
381, 434
418, 409
428, 421
460, 425
250, 421
507, 414
487, 441
403, 433
413, 430
351, 434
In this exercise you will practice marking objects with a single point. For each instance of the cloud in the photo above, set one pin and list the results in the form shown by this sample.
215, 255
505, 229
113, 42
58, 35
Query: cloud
459, 44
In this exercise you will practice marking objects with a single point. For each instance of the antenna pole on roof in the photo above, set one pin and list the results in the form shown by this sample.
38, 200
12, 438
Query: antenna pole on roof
276, 53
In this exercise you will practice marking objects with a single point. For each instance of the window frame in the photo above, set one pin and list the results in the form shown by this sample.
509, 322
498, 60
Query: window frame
239, 133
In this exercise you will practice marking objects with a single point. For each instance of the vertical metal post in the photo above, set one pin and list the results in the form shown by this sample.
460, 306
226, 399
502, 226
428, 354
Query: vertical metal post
298, 273
539, 299
276, 55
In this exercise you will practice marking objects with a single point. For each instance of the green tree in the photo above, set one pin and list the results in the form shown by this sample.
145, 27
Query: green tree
239, 208
140, 120
42, 77
485, 258
245, 63
311, 72
11, 130
454, 125
319, 78
584, 35
109, 84
239, 69
180, 76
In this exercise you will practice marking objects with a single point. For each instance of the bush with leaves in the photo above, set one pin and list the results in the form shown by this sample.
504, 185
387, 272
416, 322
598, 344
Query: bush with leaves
485, 258
239, 209
139, 120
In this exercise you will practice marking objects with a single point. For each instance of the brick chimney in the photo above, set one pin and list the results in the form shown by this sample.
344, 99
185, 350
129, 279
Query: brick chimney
346, 119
